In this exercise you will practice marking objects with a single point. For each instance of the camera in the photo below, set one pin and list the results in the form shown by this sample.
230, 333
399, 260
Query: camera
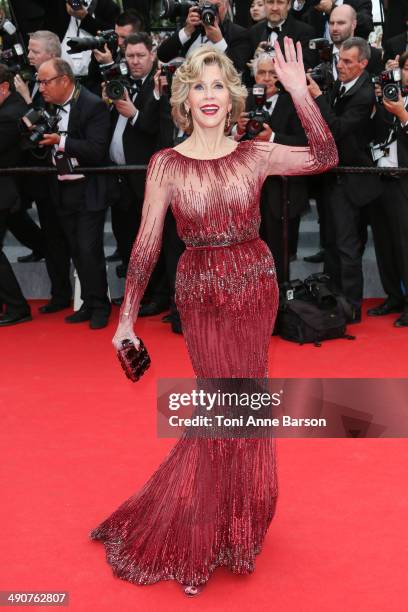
391, 85
322, 74
16, 52
322, 46
78, 44
168, 71
258, 116
178, 9
34, 124
117, 81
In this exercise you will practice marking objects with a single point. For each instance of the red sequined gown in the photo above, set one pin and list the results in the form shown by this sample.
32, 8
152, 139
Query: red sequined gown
211, 501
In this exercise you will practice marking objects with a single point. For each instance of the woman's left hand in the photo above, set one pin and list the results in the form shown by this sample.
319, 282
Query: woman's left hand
290, 71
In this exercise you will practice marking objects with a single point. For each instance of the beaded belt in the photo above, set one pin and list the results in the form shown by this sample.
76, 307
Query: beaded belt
219, 246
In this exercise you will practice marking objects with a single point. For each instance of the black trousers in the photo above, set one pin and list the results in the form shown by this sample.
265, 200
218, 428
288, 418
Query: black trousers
10, 292
84, 232
26, 231
343, 244
389, 223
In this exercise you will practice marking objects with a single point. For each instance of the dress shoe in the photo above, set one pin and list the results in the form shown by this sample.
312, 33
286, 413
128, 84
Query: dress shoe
80, 316
99, 319
121, 270
176, 325
167, 318
151, 309
10, 319
402, 321
117, 301
31, 257
52, 306
316, 258
115, 256
385, 308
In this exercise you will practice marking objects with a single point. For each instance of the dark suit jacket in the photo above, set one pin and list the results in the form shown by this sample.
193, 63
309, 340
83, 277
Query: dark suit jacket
395, 46
11, 110
316, 19
103, 18
383, 121
288, 131
30, 15
349, 122
88, 140
297, 30
236, 37
140, 140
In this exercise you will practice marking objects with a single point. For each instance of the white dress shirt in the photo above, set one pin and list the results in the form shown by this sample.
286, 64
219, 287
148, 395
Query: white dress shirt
78, 61
221, 45
116, 151
64, 114
391, 160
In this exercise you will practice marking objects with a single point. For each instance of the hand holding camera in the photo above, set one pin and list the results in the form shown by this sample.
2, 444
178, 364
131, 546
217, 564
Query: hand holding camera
125, 107
397, 108
103, 57
77, 9
22, 88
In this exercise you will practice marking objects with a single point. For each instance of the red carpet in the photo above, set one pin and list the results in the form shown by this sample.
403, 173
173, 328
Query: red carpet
77, 439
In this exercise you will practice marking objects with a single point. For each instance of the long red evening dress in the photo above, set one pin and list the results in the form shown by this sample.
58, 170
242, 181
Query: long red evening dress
211, 501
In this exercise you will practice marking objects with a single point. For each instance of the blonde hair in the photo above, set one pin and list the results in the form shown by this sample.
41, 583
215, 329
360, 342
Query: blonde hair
190, 72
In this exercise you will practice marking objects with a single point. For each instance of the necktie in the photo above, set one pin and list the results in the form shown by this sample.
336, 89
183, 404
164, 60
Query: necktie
268, 105
342, 91
63, 107
138, 83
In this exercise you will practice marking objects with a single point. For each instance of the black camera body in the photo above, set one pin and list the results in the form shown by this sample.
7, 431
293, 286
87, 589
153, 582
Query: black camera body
12, 55
89, 43
117, 81
322, 46
391, 85
258, 116
168, 71
34, 124
178, 9
322, 74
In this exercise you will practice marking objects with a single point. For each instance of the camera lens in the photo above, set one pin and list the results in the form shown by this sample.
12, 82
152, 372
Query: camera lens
391, 92
115, 90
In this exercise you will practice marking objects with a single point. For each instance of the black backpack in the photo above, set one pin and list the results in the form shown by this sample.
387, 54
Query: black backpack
310, 312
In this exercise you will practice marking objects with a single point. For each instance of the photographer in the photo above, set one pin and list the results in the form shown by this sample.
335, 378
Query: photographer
12, 107
279, 23
135, 125
347, 110
389, 215
283, 126
222, 33
82, 139
80, 18
317, 14
42, 46
127, 23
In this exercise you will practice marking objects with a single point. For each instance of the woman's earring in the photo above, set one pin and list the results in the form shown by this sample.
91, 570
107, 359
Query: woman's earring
228, 121
188, 112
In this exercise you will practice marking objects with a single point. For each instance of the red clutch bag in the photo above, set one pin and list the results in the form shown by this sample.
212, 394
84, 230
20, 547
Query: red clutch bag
134, 361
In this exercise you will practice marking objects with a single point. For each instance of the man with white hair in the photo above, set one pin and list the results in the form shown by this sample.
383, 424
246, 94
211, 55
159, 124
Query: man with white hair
226, 36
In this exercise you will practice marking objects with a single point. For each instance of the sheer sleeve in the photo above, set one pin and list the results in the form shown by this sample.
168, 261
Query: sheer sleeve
147, 245
319, 156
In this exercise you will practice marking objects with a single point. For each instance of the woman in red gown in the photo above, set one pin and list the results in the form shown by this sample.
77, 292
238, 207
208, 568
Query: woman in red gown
211, 500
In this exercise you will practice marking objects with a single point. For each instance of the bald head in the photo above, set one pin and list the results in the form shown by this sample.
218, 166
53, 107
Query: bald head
342, 23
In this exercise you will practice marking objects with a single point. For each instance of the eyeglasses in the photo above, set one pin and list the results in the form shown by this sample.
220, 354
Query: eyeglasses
46, 82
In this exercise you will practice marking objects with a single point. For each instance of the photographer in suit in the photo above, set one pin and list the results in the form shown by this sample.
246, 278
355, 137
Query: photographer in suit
80, 18
347, 111
279, 23
82, 139
135, 137
389, 215
223, 34
12, 107
396, 45
127, 23
317, 14
43, 46
283, 126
